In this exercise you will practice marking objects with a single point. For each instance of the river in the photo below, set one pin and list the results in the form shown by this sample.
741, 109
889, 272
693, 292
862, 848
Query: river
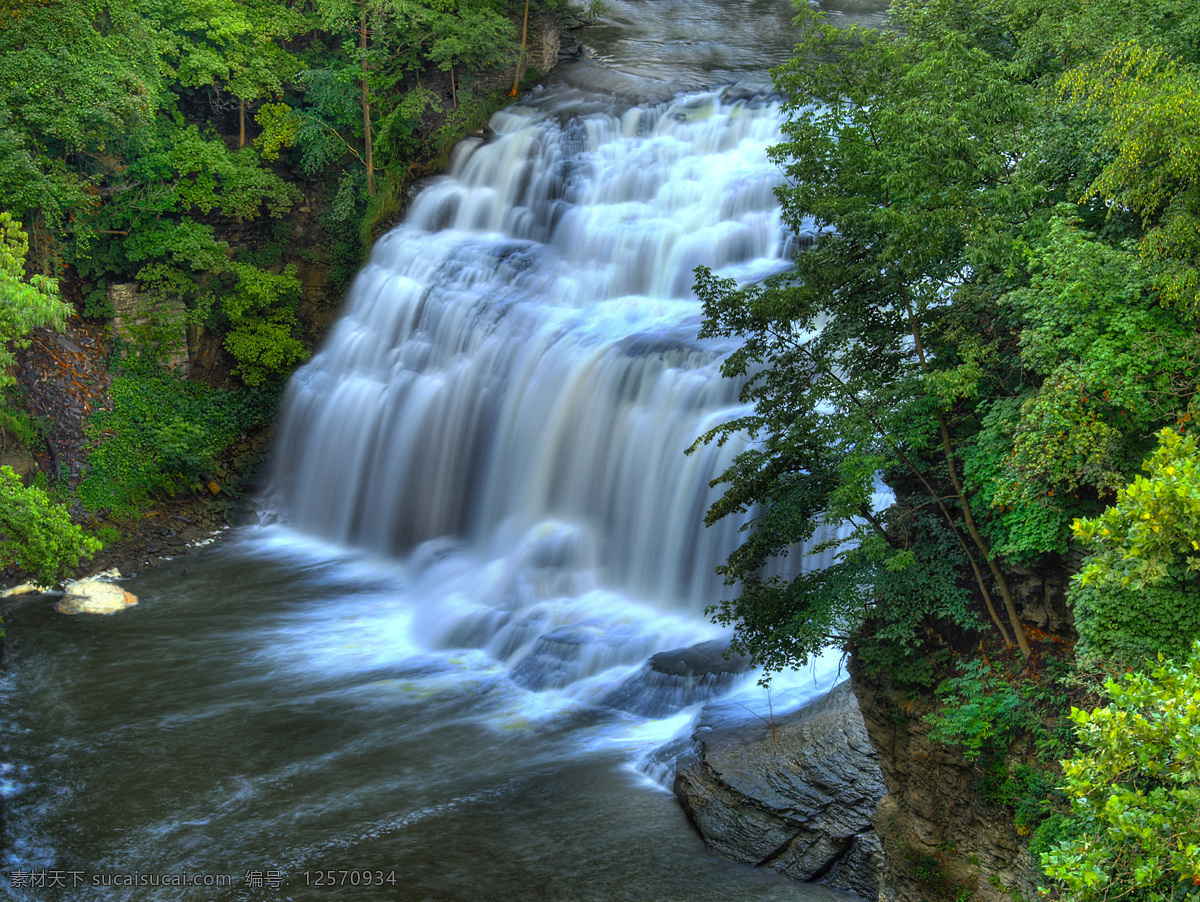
420, 678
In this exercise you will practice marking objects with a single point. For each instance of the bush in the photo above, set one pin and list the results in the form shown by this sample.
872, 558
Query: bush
1138, 593
1134, 786
263, 334
36, 534
161, 434
982, 713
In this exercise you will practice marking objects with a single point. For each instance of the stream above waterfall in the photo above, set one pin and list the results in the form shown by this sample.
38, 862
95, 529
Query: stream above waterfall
424, 677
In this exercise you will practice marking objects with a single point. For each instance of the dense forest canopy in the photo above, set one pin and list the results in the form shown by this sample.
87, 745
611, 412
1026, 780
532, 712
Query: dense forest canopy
130, 131
999, 319
173, 147
1006, 284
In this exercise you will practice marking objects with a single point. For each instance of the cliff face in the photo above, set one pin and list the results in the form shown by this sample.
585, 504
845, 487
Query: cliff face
940, 839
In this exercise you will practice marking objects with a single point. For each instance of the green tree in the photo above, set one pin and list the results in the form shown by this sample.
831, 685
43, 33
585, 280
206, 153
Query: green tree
35, 534
994, 315
1149, 104
866, 358
263, 334
1138, 593
25, 303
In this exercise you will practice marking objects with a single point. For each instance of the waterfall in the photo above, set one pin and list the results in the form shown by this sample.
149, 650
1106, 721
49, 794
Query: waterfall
517, 364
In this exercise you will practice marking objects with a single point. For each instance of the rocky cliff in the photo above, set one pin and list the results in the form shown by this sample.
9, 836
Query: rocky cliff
940, 839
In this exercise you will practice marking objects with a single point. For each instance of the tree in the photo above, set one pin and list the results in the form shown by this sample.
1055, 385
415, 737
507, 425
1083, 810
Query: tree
995, 314
25, 303
238, 45
472, 35
866, 358
262, 314
36, 534
1138, 593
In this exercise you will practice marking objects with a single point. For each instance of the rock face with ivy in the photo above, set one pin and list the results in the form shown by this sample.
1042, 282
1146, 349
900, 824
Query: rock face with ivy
795, 795
941, 839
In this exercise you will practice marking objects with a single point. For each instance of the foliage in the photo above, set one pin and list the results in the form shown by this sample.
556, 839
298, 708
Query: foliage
263, 326
25, 303
161, 434
1138, 592
36, 534
995, 317
1135, 789
107, 535
1150, 108
1152, 527
1014, 729
982, 712
17, 424
899, 146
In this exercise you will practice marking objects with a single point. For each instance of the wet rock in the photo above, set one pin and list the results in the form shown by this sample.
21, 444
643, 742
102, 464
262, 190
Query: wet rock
13, 455
22, 589
796, 796
67, 345
676, 679
570, 653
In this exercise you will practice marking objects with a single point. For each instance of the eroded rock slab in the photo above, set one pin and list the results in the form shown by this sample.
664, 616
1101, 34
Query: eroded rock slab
797, 796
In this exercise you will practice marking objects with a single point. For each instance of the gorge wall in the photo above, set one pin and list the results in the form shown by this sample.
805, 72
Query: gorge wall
941, 840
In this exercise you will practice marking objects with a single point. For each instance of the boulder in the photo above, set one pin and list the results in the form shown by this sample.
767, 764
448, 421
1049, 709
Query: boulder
796, 795
673, 680
23, 589
93, 596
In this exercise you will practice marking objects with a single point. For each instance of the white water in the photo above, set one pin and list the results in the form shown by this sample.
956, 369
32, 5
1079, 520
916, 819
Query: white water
507, 400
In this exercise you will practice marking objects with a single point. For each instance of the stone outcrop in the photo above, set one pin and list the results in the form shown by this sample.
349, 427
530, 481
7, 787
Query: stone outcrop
941, 840
796, 796
13, 455
154, 322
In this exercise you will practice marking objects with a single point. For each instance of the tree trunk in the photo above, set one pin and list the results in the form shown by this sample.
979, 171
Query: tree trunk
241, 123
366, 98
981, 544
524, 34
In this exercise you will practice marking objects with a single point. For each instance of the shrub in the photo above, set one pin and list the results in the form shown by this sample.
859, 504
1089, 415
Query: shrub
263, 324
161, 434
1138, 593
1134, 785
36, 534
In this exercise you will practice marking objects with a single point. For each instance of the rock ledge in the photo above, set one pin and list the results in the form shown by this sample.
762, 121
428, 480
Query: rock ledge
797, 797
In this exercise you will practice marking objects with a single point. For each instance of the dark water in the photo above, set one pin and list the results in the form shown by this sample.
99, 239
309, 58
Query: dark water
496, 428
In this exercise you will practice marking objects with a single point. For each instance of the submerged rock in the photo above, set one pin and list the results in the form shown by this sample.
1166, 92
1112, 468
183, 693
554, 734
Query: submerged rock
673, 680
94, 596
796, 796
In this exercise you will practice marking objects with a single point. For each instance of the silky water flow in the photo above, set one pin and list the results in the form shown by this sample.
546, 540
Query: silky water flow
426, 677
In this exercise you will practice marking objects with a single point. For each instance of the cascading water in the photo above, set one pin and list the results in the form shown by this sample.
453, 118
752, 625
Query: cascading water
434, 671
518, 362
